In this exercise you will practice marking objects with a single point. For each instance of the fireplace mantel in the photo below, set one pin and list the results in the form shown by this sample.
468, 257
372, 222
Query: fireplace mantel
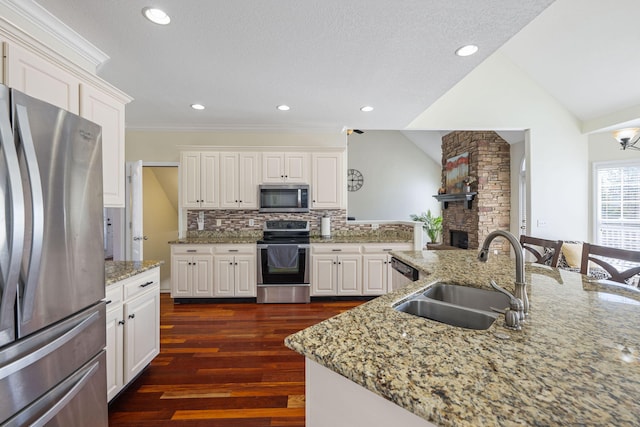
456, 197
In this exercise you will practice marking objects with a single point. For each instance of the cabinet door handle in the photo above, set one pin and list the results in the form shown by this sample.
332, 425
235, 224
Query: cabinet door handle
336, 250
108, 302
121, 322
146, 284
233, 250
235, 263
192, 250
230, 263
132, 316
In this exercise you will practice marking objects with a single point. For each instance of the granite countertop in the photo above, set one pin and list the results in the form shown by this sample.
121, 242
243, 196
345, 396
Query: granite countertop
360, 238
213, 240
576, 361
120, 270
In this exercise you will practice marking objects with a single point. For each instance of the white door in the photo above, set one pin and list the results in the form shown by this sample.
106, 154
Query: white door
135, 236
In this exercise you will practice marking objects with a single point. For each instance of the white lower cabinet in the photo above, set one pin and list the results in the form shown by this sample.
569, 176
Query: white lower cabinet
376, 265
235, 271
192, 271
352, 269
213, 271
133, 327
336, 270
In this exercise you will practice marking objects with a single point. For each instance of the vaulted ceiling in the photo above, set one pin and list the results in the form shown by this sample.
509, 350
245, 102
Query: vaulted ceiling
326, 59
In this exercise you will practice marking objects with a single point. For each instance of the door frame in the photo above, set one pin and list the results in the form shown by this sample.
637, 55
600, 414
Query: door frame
126, 238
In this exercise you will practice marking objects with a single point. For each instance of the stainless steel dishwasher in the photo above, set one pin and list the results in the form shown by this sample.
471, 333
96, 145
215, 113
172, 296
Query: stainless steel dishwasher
402, 274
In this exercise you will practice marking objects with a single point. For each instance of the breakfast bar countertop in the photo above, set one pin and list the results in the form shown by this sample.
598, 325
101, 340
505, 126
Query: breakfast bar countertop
575, 362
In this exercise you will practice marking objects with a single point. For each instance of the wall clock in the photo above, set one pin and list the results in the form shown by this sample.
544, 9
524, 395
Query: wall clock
354, 179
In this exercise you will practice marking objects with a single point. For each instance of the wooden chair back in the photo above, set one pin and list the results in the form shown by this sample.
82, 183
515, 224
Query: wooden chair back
533, 245
590, 252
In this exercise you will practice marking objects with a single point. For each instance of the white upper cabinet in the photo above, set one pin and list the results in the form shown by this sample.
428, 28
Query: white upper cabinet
108, 112
239, 180
87, 96
200, 179
328, 180
285, 167
37, 77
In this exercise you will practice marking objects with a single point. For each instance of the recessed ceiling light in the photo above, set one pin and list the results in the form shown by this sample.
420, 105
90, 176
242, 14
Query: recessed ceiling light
283, 107
197, 106
467, 50
156, 16
366, 108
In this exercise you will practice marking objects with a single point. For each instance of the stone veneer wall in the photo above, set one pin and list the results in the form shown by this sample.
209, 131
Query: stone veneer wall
489, 163
237, 221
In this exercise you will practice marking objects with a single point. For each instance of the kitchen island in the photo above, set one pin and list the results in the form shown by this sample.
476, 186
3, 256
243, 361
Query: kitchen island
576, 361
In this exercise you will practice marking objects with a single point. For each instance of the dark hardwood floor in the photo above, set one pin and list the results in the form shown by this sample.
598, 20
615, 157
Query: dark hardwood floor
223, 364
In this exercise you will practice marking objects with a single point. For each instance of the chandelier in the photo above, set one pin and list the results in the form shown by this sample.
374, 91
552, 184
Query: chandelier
628, 138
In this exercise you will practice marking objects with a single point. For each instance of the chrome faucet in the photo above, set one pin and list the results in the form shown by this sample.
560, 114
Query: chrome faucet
520, 285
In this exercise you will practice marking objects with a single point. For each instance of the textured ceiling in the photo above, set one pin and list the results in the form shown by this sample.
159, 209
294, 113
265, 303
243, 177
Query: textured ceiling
325, 58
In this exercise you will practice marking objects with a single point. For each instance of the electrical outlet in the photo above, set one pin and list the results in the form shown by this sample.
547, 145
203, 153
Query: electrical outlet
201, 216
252, 222
375, 226
218, 222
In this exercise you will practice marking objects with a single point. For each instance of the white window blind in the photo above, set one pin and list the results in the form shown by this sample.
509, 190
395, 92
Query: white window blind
618, 205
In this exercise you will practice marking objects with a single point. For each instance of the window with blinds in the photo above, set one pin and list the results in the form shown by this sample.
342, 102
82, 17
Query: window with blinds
618, 205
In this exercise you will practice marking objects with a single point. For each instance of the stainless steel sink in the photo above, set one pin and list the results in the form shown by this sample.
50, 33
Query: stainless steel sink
448, 313
479, 299
457, 305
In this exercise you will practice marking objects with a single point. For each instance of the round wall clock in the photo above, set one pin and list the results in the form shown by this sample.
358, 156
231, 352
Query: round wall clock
354, 180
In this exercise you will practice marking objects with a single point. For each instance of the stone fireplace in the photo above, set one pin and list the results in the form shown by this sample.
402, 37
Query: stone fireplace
489, 162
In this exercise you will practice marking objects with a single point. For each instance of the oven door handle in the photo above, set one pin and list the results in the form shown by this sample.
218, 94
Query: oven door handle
300, 246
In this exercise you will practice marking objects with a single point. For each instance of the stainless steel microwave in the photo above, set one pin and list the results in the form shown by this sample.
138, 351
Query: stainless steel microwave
284, 198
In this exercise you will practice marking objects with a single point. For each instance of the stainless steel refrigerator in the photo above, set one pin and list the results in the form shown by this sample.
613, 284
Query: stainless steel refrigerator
52, 319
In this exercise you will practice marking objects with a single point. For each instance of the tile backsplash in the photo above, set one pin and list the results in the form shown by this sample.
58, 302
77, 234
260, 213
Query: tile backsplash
238, 222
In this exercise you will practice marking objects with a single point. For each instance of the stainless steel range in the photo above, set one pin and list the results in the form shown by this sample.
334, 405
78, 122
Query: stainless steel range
283, 262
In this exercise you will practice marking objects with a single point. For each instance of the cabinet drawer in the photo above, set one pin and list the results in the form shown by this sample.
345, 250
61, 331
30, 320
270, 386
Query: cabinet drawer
191, 249
113, 295
248, 249
140, 283
335, 249
386, 247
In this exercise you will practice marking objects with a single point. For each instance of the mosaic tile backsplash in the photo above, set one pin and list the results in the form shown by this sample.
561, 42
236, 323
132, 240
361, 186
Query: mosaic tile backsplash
237, 222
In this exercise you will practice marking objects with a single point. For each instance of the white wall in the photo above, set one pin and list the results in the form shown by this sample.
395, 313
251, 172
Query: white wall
498, 95
517, 152
165, 146
399, 178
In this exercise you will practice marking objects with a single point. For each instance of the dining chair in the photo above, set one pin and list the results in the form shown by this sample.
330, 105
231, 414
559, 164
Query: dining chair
545, 251
607, 258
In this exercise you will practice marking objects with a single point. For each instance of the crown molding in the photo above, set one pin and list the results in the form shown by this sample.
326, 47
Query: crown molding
41, 19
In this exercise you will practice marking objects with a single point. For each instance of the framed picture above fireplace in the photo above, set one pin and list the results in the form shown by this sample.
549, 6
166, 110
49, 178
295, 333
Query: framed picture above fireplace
456, 170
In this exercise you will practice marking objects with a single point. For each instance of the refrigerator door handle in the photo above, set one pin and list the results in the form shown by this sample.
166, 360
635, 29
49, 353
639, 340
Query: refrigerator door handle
31, 274
13, 242
28, 359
